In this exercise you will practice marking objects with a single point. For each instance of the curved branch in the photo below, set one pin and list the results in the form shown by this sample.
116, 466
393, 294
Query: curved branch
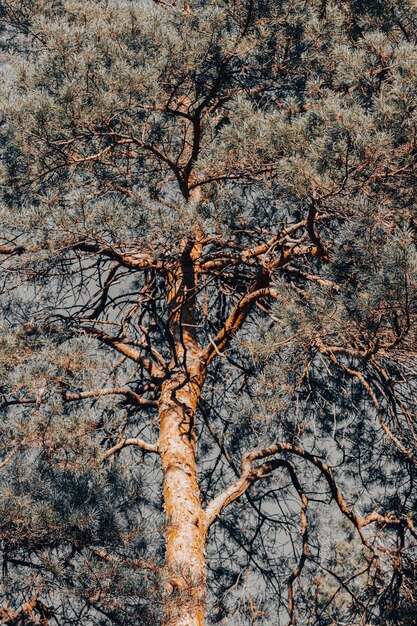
251, 474
357, 521
235, 321
139, 443
312, 233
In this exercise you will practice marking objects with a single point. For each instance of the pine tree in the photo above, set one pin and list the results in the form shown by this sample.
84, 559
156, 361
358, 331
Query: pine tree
209, 303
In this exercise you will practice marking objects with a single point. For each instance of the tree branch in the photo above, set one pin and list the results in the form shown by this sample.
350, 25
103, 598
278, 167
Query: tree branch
136, 563
124, 443
330, 352
249, 255
135, 398
131, 260
124, 347
251, 474
11, 454
235, 320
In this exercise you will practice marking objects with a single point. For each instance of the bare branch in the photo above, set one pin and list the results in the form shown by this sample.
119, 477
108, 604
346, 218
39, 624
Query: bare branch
249, 255
235, 320
251, 474
136, 563
139, 443
304, 535
131, 260
135, 398
10, 250
248, 476
11, 454
125, 347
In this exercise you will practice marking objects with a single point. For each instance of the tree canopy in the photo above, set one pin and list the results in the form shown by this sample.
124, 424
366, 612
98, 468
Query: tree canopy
208, 276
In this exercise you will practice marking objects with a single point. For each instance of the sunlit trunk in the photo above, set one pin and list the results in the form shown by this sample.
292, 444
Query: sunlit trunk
185, 575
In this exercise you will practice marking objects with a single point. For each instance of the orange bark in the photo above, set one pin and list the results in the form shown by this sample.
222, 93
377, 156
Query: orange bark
185, 582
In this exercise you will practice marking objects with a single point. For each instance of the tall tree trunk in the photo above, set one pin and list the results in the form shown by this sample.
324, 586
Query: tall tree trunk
185, 582
185, 535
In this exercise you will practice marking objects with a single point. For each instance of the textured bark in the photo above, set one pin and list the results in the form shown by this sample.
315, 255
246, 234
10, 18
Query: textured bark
185, 582
185, 575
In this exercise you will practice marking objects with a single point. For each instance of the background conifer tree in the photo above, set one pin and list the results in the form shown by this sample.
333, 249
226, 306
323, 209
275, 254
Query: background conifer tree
208, 278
